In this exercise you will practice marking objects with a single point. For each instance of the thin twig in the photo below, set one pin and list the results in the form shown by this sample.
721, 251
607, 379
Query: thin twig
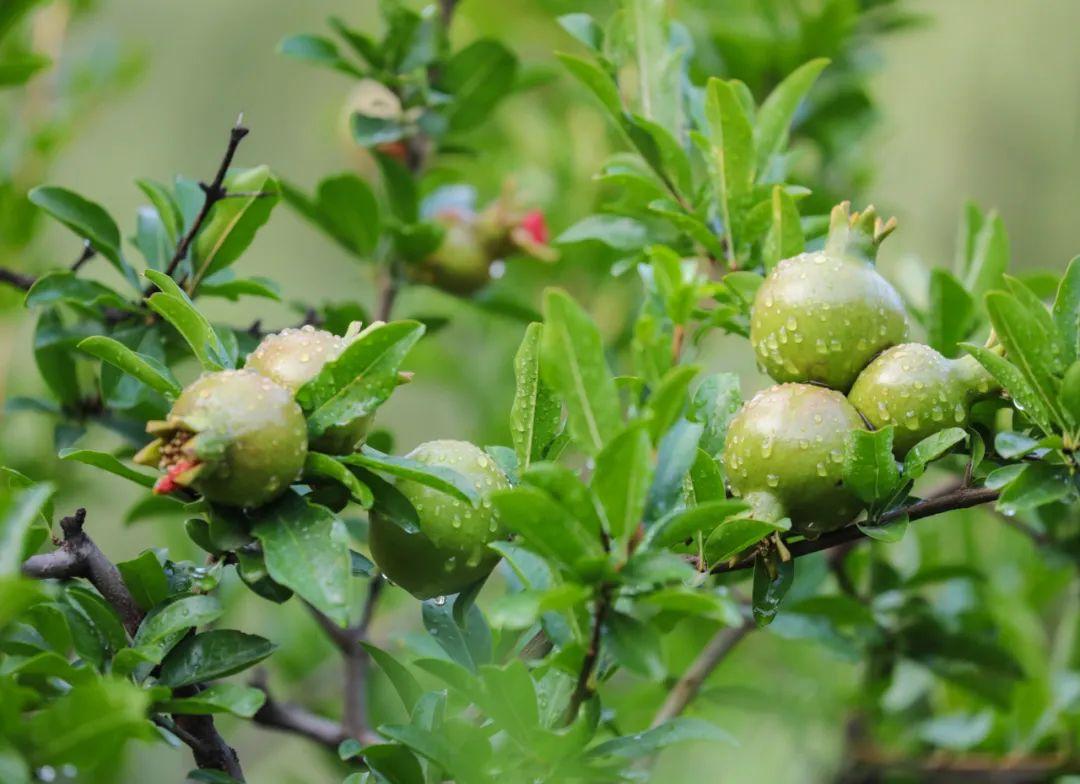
18, 280
88, 253
295, 719
687, 687
215, 192
583, 689
77, 556
963, 498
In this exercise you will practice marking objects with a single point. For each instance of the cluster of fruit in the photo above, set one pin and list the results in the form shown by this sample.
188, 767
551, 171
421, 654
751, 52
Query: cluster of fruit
239, 439
832, 330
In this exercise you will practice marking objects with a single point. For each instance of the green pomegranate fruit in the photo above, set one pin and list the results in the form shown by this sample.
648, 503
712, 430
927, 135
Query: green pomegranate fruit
461, 264
784, 455
919, 392
821, 317
235, 436
449, 550
293, 357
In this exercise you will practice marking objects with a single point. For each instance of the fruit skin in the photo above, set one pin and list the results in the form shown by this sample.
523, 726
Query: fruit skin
235, 436
293, 357
461, 264
919, 392
822, 316
784, 455
449, 551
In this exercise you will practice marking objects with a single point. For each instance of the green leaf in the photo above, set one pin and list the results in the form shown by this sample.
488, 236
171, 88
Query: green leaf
19, 511
360, 379
683, 524
615, 231
645, 744
146, 580
145, 368
306, 548
400, 186
584, 28
393, 763
350, 212
1070, 392
236, 288
211, 655
52, 354
16, 594
869, 468
17, 69
317, 50
167, 208
1024, 395
404, 682
243, 701
107, 462
1066, 310
234, 220
89, 725
989, 259
536, 414
1028, 347
1037, 485
321, 466
478, 77
598, 83
730, 154
675, 457
87, 219
776, 113
522, 609
887, 533
467, 643
930, 449
64, 286
572, 358
772, 579
716, 401
440, 478
184, 613
706, 479
785, 236
635, 645
374, 131
621, 481
733, 536
193, 327
951, 315
668, 401
546, 526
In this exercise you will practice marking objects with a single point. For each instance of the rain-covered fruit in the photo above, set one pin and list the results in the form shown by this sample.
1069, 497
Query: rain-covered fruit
293, 357
822, 316
919, 392
449, 550
235, 436
784, 455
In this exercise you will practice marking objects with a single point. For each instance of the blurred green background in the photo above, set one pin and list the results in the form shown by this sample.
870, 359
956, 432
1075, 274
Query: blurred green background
980, 102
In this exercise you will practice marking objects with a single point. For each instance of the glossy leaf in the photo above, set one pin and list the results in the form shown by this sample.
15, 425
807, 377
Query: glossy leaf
213, 654
869, 468
145, 368
536, 414
624, 472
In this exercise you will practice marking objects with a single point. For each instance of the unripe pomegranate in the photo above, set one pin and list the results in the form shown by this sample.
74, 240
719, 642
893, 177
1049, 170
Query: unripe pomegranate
235, 436
293, 357
784, 455
449, 551
920, 392
822, 316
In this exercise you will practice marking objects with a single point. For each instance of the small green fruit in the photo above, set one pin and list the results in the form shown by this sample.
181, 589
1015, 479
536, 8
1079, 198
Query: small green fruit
235, 436
784, 455
449, 551
461, 264
919, 392
293, 357
821, 317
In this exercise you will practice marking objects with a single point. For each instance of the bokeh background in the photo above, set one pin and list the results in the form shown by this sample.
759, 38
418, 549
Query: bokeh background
981, 101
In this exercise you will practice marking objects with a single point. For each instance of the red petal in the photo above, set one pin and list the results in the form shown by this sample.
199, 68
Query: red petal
168, 484
536, 226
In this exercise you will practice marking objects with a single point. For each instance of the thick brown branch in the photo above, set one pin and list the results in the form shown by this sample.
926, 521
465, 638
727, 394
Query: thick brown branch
962, 498
215, 192
688, 686
78, 556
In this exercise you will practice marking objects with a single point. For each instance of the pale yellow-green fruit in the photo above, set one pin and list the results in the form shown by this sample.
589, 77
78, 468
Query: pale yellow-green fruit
449, 551
784, 455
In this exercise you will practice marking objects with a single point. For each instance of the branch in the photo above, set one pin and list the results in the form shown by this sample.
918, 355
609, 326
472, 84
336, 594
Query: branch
962, 498
18, 280
215, 192
688, 686
78, 556
287, 717
88, 253
583, 689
